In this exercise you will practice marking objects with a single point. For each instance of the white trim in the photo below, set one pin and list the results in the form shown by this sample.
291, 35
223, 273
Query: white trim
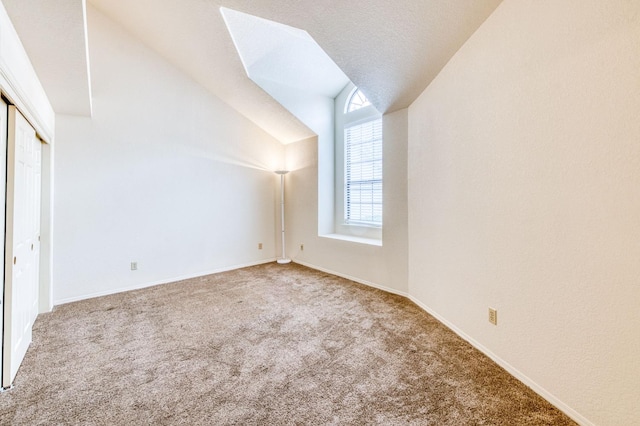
85, 31
353, 239
14, 92
552, 399
577, 417
160, 282
351, 278
19, 81
342, 121
362, 225
510, 369
367, 116
45, 295
345, 109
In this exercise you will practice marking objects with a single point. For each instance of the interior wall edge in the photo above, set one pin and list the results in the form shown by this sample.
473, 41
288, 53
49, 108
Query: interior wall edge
159, 282
45, 296
19, 81
21, 100
544, 393
559, 404
20, 85
352, 278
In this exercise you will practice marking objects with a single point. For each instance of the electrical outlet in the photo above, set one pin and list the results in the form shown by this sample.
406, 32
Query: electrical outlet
301, 247
134, 266
493, 316
259, 246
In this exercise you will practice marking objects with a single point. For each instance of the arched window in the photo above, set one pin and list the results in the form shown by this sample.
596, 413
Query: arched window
362, 162
357, 100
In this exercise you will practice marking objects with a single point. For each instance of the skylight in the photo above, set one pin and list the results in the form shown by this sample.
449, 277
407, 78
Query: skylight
274, 54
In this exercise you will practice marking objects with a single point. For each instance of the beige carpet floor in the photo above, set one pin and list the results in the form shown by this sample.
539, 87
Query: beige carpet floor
266, 345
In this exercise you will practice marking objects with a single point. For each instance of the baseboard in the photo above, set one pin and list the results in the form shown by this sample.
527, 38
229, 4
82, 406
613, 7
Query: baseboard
577, 417
502, 363
350, 278
160, 282
573, 414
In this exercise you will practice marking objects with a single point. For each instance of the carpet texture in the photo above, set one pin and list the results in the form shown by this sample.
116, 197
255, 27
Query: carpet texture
266, 345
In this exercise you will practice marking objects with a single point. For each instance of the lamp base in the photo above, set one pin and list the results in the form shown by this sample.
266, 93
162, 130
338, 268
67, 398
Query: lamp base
284, 261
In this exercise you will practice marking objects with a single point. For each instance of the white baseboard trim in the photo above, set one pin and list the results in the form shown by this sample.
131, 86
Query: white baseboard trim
350, 278
577, 417
160, 282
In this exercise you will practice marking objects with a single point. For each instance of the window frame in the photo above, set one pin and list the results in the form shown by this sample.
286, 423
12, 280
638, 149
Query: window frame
364, 231
352, 94
347, 220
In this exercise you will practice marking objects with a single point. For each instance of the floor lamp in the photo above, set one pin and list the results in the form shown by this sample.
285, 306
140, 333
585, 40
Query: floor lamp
284, 258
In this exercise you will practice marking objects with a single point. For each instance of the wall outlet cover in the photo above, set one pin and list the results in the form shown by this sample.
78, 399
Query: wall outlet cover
493, 316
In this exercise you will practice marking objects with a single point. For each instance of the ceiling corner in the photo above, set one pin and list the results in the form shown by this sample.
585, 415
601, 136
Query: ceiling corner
54, 35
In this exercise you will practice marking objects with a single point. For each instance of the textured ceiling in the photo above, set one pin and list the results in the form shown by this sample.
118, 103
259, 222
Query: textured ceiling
54, 35
390, 49
192, 35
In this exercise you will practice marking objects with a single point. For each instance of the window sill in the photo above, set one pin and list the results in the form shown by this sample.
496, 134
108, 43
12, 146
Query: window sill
351, 238
362, 225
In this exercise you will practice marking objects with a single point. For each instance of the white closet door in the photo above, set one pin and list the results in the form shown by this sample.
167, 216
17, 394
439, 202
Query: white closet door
24, 165
3, 170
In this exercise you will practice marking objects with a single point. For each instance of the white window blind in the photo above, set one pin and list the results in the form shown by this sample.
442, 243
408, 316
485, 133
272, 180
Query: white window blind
363, 173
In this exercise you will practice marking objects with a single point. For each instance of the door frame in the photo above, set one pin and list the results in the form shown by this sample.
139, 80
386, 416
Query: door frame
4, 137
46, 210
21, 280
45, 288
20, 86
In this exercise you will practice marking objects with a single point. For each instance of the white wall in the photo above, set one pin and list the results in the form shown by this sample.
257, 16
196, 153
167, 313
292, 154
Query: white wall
20, 84
381, 266
524, 177
316, 111
164, 174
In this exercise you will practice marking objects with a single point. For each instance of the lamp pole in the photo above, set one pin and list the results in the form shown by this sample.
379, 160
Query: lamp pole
284, 258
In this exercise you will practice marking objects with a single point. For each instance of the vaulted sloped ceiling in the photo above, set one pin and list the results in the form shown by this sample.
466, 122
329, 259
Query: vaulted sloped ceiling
391, 49
54, 35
